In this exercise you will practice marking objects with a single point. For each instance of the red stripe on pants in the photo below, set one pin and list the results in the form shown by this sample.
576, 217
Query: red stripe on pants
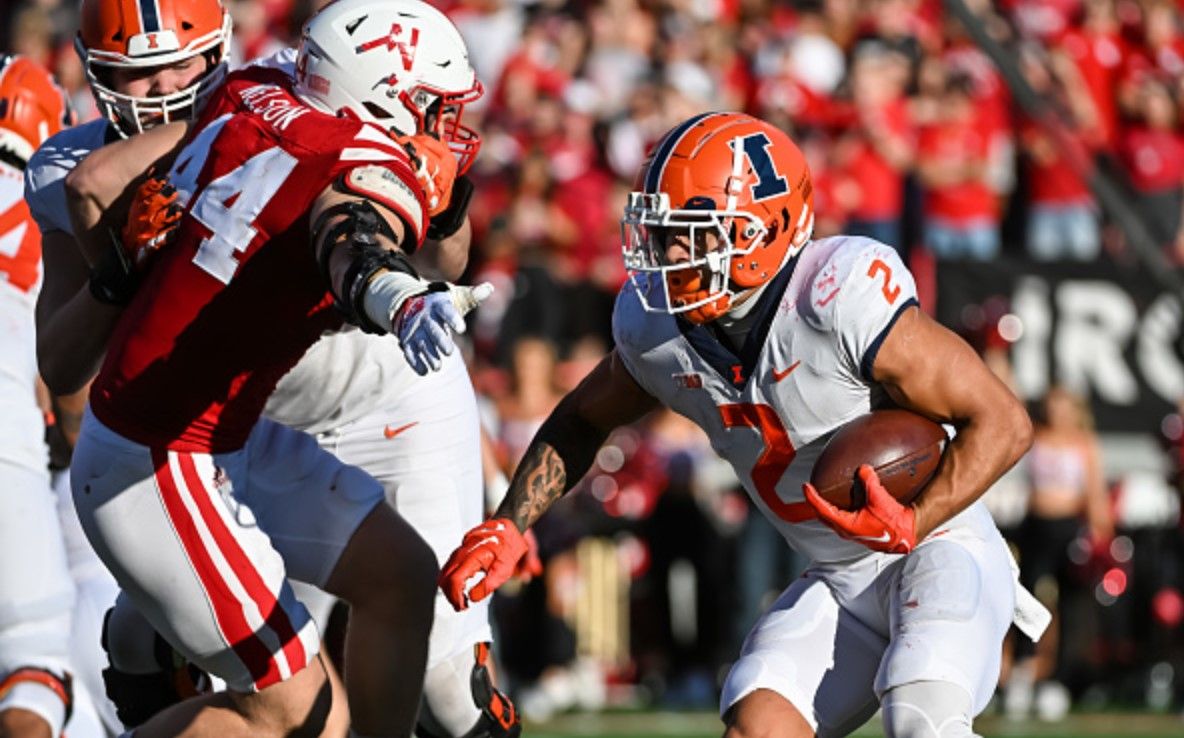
228, 610
274, 615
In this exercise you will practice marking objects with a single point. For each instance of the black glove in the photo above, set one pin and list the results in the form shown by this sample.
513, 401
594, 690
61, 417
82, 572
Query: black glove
114, 280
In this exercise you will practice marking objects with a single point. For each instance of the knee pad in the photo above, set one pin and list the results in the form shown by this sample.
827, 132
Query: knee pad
38, 690
496, 715
927, 710
145, 675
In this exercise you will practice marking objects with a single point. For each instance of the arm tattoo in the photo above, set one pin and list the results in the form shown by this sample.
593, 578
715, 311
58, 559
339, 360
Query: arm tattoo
558, 457
538, 483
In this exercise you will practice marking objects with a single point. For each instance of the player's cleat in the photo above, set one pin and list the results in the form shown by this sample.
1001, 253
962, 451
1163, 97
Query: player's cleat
499, 717
139, 696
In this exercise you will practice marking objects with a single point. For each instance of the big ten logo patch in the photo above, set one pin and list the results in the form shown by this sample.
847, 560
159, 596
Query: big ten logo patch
689, 380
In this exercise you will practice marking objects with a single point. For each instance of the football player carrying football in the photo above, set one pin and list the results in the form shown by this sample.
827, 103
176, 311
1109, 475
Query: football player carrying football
353, 390
770, 341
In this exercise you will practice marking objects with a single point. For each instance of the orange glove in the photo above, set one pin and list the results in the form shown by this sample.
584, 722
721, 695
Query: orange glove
883, 524
435, 168
494, 549
151, 220
530, 565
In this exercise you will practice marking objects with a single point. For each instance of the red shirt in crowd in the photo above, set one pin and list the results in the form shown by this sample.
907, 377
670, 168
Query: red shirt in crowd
1154, 158
1054, 180
881, 184
954, 141
1100, 57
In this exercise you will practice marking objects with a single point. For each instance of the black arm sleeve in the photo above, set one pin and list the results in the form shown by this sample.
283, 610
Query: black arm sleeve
359, 230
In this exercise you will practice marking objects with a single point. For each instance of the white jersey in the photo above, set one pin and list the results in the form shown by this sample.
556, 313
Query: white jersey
22, 428
342, 378
804, 371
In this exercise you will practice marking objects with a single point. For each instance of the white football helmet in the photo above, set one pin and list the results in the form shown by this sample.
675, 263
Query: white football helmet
399, 64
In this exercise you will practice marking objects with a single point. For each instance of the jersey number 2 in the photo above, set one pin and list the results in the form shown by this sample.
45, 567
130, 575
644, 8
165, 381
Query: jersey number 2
890, 291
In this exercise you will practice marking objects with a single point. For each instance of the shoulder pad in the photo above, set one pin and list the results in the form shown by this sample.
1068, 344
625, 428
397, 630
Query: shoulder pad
47, 169
284, 60
383, 185
636, 330
831, 263
858, 289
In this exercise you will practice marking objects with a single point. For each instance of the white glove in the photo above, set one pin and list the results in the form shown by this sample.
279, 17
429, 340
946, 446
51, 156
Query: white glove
425, 323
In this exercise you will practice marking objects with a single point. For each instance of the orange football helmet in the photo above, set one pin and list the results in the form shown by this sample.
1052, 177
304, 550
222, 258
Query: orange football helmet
151, 33
32, 106
737, 191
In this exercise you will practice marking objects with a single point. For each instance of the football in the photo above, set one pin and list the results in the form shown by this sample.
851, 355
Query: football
903, 447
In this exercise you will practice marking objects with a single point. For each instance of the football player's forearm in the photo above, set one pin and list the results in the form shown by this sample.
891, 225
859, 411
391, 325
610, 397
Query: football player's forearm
447, 258
539, 481
69, 411
71, 344
558, 457
983, 450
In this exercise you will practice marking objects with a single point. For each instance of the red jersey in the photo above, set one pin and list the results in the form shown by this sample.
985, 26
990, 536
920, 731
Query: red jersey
237, 298
1100, 57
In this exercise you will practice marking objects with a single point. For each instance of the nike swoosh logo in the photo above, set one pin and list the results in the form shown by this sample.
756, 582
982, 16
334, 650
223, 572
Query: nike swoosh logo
351, 27
390, 432
779, 375
882, 538
444, 64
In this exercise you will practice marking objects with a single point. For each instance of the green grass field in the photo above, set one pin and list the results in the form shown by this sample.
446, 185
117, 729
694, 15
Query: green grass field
655, 724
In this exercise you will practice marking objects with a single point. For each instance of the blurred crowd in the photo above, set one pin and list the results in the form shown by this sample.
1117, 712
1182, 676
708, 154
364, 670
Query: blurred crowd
915, 138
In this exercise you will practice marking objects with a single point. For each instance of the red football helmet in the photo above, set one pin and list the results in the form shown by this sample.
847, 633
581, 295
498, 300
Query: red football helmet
32, 106
739, 191
151, 33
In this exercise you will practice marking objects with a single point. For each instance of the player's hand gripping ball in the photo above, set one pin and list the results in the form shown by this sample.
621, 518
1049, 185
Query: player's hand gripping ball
902, 447
882, 524
487, 557
869, 472
425, 323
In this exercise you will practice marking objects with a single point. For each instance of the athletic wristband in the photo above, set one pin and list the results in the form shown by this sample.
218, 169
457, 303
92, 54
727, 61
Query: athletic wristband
386, 293
114, 280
